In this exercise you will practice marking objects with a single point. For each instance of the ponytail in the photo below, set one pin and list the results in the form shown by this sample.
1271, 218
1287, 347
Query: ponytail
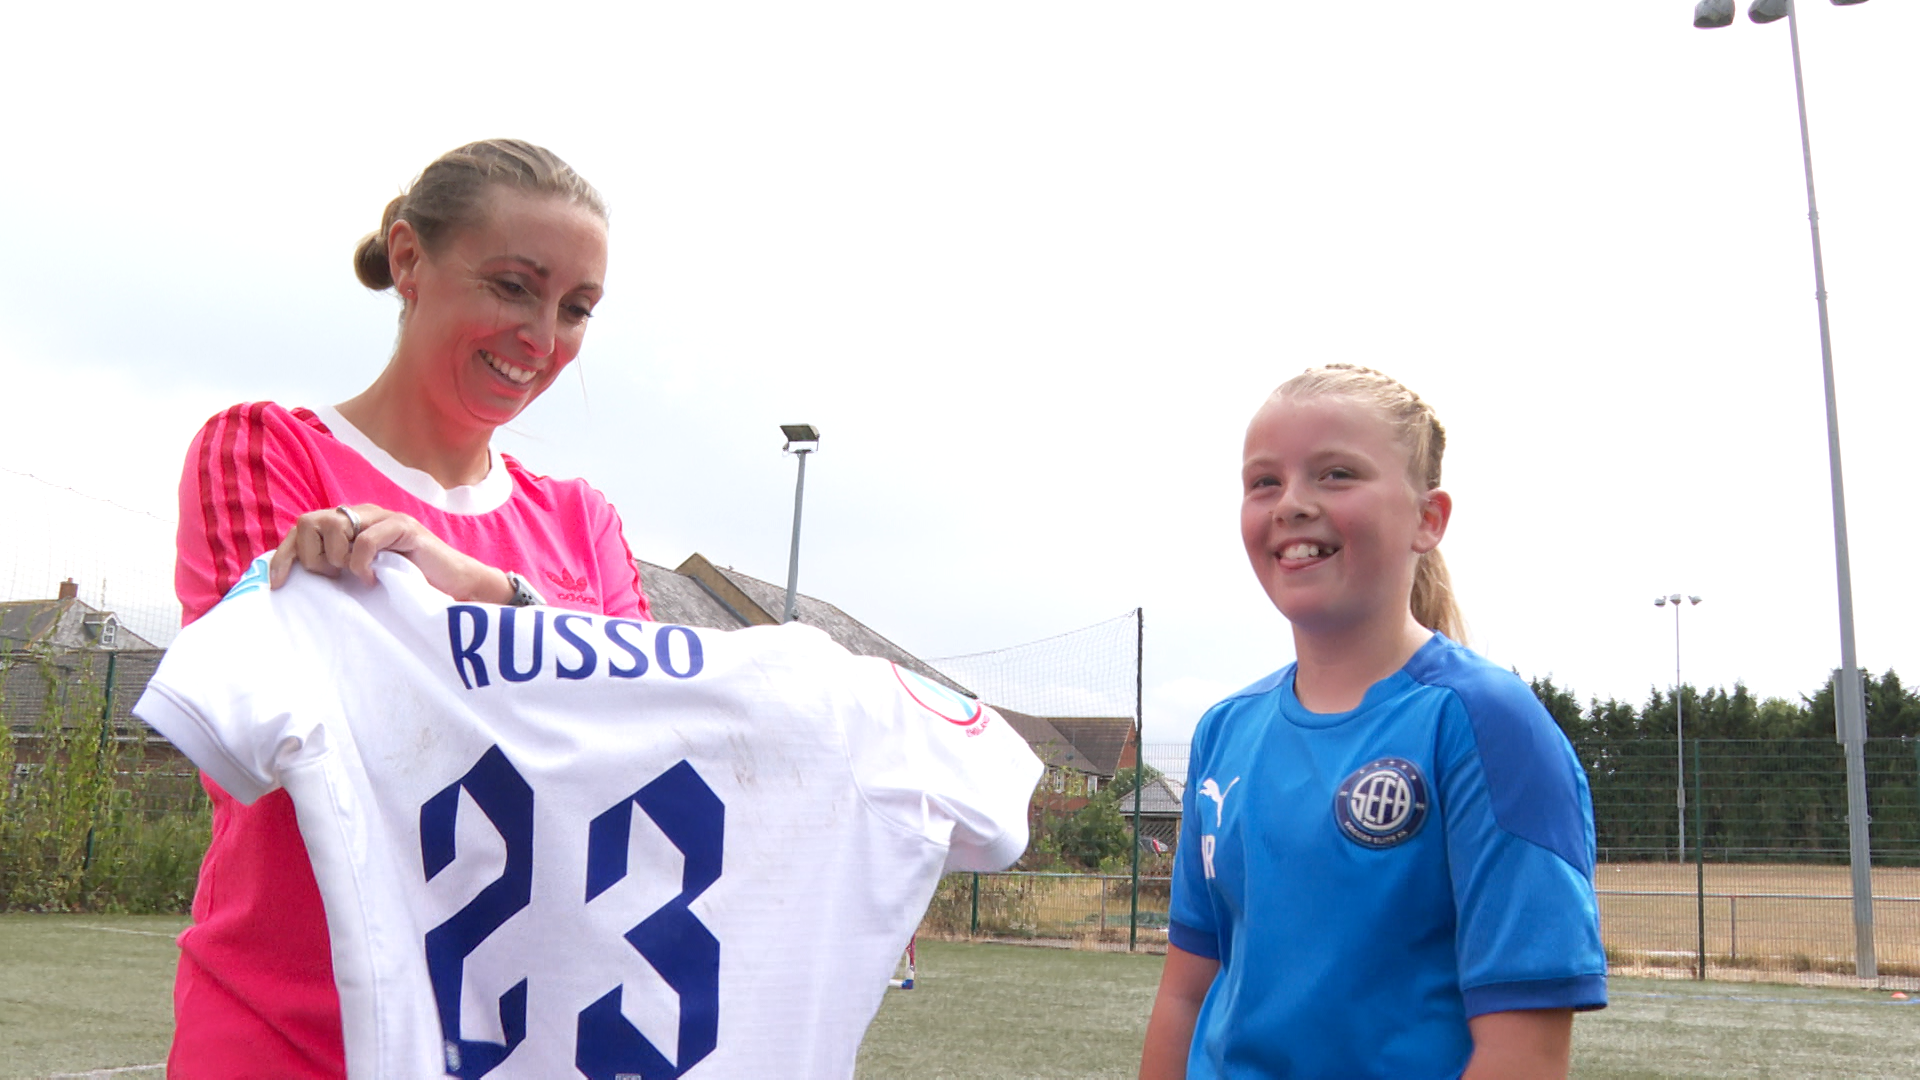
1433, 603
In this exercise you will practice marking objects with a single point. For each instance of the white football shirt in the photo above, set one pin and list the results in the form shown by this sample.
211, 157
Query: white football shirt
553, 844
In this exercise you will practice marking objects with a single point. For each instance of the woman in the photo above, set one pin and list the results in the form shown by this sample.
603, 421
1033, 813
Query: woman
497, 252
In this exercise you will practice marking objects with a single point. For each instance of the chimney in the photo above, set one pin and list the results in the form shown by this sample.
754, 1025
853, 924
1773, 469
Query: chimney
69, 589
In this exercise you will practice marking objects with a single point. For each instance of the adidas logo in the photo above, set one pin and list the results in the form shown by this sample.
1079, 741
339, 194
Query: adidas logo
571, 588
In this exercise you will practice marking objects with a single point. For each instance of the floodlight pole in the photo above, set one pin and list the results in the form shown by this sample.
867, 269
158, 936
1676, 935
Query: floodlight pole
1849, 701
1679, 725
809, 439
1849, 710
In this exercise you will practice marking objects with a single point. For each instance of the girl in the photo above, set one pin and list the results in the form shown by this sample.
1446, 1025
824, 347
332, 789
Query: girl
497, 253
1387, 849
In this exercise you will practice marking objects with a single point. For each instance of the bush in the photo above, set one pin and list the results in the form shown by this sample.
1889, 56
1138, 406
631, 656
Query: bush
69, 837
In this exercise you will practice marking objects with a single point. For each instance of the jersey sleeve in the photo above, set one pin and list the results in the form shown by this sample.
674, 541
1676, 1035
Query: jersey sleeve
243, 732
246, 478
940, 765
1192, 925
1520, 850
623, 594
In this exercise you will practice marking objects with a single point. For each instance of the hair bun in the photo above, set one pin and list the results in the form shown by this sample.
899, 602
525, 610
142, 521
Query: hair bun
370, 263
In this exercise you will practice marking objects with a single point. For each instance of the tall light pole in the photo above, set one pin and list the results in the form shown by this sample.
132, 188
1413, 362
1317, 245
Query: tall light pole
1850, 703
802, 439
1679, 721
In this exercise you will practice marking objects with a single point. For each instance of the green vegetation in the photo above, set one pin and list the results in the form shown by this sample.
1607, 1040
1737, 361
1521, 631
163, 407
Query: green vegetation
73, 833
1771, 783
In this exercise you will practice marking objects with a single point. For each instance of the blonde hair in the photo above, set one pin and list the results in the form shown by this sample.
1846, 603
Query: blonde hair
1417, 429
450, 195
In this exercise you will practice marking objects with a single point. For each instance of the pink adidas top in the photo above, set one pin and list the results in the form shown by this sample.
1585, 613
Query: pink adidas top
254, 995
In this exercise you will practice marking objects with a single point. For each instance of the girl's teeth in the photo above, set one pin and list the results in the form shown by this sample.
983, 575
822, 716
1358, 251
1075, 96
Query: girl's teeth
521, 376
1303, 551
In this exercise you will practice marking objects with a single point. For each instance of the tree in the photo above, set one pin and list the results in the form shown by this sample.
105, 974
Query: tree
1122, 783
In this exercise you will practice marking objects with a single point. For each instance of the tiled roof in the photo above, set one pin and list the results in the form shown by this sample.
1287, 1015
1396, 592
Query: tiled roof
1161, 795
68, 623
1048, 744
1103, 740
698, 593
677, 598
23, 622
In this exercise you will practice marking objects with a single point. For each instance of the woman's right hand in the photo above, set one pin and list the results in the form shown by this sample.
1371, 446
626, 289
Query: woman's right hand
329, 541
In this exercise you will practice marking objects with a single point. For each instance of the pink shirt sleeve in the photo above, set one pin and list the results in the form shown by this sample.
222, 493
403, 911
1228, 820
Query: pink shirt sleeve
619, 573
247, 477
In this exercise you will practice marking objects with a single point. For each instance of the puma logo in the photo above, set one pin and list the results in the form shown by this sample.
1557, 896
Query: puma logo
1211, 790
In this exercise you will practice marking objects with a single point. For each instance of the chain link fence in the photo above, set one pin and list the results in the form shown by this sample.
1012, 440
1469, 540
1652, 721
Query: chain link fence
1751, 878
1761, 888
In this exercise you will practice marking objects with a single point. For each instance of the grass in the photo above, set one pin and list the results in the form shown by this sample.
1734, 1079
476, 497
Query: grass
1013, 1011
80, 993
85, 992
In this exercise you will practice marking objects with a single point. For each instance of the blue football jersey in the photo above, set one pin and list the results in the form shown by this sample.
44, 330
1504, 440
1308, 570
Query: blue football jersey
1369, 880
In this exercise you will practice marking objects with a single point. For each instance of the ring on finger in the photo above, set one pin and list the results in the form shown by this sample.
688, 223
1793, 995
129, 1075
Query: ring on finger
353, 522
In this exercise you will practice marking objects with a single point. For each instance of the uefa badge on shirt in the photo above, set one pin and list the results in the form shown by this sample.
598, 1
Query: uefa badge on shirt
1382, 803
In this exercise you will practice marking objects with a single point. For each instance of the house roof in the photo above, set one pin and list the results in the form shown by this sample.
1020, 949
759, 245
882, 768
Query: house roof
1103, 740
698, 593
28, 623
24, 622
1047, 742
1160, 795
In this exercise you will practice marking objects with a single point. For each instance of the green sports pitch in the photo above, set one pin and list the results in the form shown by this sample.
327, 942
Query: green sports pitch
89, 996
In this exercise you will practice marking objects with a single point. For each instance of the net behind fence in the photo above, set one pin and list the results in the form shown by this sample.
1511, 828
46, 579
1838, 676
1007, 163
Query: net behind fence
119, 557
1088, 672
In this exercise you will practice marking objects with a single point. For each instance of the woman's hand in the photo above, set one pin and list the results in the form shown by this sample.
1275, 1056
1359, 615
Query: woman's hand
329, 541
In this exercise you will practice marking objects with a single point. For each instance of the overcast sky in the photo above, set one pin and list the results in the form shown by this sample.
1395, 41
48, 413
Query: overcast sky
1030, 267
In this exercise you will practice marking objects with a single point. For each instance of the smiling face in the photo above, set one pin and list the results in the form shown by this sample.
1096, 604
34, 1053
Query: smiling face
496, 314
1330, 516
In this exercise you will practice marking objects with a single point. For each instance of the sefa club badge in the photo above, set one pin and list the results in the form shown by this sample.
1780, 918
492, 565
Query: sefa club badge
1382, 803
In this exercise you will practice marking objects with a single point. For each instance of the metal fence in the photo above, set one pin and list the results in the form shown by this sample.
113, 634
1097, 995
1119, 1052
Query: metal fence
1086, 910
1760, 888
1744, 872
1753, 880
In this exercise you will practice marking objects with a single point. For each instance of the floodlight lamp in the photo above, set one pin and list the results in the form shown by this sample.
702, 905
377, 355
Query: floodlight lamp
1659, 601
1674, 599
1695, 599
1847, 3
1766, 11
800, 433
1712, 14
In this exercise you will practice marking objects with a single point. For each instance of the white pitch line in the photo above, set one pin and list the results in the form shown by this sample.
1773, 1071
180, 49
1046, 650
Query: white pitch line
108, 1072
147, 933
